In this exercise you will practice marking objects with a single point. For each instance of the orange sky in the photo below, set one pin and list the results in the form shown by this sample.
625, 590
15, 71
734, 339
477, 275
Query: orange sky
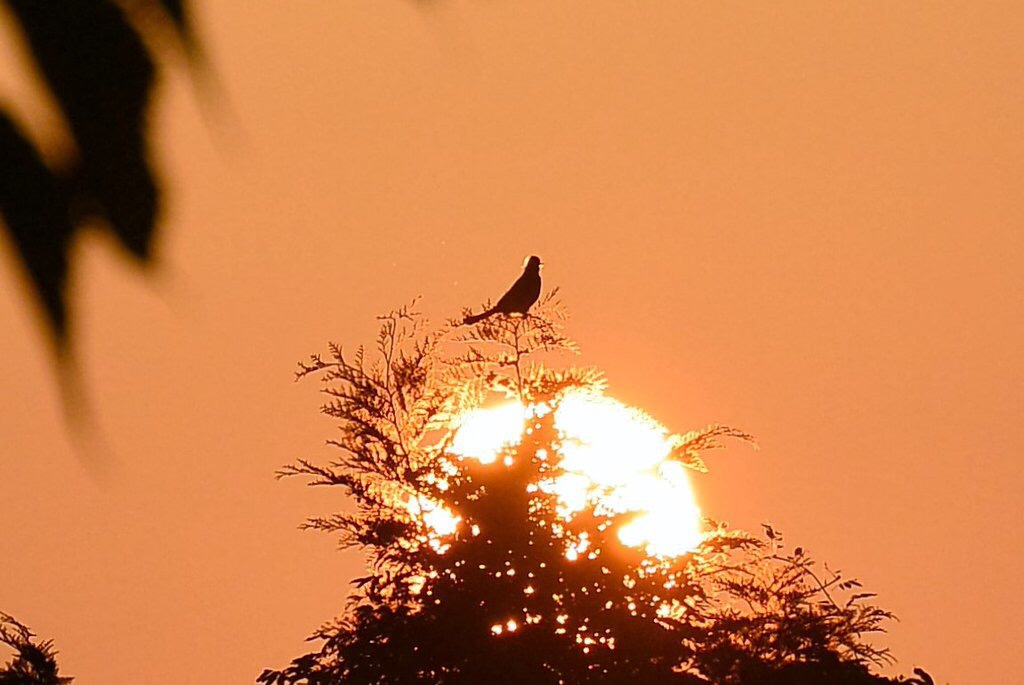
801, 219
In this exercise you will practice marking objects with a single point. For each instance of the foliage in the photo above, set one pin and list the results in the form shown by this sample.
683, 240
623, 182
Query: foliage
92, 58
475, 575
800, 624
34, 663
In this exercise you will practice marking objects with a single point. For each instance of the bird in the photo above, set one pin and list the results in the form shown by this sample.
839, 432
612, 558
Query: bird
519, 298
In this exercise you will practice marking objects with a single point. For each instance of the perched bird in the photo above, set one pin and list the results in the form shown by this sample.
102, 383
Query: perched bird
519, 298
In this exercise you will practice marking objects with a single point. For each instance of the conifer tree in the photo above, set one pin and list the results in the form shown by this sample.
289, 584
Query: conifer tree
478, 571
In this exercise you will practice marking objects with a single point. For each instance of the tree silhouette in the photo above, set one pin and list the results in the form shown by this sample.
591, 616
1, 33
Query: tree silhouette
92, 58
479, 574
34, 663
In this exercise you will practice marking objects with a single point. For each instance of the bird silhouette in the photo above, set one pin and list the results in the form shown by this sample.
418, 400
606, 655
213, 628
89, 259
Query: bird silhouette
519, 298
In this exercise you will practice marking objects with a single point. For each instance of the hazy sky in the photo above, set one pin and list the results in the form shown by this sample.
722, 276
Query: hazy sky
800, 219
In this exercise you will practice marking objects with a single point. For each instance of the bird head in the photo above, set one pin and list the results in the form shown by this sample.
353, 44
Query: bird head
532, 263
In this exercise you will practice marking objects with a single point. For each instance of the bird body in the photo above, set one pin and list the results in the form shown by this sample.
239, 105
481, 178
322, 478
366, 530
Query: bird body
519, 298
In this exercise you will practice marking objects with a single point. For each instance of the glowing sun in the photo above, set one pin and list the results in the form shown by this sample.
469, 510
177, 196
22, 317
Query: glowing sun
615, 460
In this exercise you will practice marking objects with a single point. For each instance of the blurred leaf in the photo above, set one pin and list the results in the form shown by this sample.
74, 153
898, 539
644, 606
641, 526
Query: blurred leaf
101, 75
179, 15
35, 209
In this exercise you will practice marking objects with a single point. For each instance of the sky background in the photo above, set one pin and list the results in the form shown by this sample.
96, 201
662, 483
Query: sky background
802, 219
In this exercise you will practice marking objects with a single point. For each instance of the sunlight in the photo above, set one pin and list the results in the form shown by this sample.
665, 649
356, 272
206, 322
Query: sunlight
434, 515
615, 460
483, 433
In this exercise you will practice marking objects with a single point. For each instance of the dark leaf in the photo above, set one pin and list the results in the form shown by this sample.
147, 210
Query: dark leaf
35, 209
101, 75
177, 11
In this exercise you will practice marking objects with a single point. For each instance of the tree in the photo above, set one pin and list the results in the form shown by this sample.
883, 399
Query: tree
479, 570
34, 663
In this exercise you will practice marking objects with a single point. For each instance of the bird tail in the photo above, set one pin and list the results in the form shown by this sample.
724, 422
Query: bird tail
473, 318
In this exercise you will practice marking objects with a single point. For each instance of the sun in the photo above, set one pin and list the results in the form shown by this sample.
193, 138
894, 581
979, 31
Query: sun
614, 460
